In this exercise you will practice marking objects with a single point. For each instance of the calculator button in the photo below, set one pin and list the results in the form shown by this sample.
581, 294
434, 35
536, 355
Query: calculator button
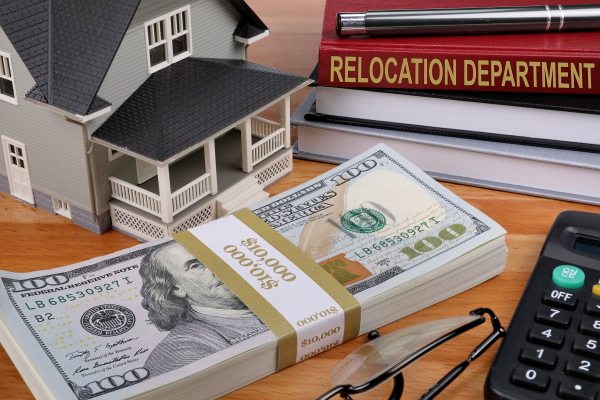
540, 356
568, 277
553, 316
552, 337
531, 378
593, 306
576, 390
583, 368
560, 298
586, 346
590, 326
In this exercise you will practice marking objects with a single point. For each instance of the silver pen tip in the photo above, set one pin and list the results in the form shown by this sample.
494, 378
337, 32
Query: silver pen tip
350, 24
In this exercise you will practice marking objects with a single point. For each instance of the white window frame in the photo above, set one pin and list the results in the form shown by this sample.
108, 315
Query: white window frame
172, 25
61, 207
7, 72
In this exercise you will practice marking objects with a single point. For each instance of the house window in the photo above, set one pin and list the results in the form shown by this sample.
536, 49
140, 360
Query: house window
16, 156
168, 39
7, 79
61, 207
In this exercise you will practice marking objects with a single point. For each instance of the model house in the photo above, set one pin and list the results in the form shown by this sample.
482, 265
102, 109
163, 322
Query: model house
139, 115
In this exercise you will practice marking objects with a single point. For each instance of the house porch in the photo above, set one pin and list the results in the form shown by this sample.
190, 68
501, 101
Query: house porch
236, 189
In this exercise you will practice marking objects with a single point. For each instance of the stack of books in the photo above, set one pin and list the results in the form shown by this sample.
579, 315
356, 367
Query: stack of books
516, 112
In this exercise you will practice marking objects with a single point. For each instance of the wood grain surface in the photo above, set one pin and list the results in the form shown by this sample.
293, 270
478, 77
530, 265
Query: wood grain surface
32, 239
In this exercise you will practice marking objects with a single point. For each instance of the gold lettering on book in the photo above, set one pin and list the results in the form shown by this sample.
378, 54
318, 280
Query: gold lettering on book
562, 74
417, 62
469, 72
496, 71
388, 77
489, 73
534, 68
548, 75
482, 73
376, 61
360, 77
522, 69
507, 76
335, 67
349, 67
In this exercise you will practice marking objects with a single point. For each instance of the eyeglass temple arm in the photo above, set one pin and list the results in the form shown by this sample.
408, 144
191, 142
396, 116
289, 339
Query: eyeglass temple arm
342, 390
498, 332
335, 391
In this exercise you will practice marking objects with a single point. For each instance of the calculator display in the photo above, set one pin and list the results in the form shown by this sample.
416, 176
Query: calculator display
587, 245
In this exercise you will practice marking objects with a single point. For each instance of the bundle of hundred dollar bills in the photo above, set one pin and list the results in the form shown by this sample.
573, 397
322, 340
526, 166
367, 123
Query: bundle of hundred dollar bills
153, 322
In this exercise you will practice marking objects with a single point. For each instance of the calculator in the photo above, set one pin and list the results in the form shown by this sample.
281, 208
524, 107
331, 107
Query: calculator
552, 346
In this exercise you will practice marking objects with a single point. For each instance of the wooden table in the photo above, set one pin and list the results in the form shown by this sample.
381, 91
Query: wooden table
31, 239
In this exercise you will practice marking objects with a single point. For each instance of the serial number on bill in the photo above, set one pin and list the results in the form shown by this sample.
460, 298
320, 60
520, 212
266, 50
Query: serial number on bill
396, 239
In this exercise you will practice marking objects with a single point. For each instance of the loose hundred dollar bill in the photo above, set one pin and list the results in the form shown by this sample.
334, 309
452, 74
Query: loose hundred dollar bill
377, 221
126, 324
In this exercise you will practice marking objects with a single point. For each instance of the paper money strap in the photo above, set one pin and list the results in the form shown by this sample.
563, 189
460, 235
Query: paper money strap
306, 308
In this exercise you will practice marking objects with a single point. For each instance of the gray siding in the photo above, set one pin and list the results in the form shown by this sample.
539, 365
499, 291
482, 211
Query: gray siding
213, 23
149, 9
56, 148
122, 167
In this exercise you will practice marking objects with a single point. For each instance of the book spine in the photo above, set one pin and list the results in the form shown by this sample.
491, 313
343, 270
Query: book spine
477, 72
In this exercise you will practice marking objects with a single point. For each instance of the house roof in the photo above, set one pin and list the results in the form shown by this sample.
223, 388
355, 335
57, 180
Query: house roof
180, 106
25, 22
69, 61
250, 25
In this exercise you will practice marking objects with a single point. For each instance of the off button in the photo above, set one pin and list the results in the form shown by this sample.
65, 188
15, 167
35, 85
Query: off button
568, 277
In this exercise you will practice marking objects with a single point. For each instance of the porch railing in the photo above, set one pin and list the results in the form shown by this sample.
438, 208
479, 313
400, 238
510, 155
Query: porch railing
267, 146
135, 196
190, 193
272, 136
262, 128
150, 202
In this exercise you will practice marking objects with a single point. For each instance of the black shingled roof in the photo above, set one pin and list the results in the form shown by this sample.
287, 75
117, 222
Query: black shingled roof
68, 62
182, 105
250, 25
73, 58
25, 22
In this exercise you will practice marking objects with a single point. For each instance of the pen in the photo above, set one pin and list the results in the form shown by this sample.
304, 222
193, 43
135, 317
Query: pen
453, 21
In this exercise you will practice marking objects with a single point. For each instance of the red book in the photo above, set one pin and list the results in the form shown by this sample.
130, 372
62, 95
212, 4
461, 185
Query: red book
564, 62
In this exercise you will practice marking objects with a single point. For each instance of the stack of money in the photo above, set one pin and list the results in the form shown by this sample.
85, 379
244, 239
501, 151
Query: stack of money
151, 322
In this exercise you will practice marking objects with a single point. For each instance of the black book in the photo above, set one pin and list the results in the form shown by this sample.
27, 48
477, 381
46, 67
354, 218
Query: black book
562, 121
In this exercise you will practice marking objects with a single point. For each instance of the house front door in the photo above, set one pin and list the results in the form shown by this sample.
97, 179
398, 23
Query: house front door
18, 169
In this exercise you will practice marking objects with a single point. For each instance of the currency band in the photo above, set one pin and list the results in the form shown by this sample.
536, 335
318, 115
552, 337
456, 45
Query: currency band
304, 306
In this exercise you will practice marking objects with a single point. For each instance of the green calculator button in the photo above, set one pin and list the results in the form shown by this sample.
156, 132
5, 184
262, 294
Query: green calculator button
568, 277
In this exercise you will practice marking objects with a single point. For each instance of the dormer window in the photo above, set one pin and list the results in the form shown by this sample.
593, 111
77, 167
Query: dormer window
7, 79
168, 39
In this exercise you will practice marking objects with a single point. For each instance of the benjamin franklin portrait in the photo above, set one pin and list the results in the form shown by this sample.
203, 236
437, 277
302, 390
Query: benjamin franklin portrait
201, 314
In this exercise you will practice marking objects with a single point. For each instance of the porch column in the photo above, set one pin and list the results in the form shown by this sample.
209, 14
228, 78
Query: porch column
210, 163
284, 119
246, 128
164, 190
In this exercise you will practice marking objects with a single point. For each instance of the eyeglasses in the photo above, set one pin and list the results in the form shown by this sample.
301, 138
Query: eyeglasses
384, 357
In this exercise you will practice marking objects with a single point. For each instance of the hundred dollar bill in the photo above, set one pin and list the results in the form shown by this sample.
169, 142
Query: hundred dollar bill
153, 322
118, 326
378, 221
